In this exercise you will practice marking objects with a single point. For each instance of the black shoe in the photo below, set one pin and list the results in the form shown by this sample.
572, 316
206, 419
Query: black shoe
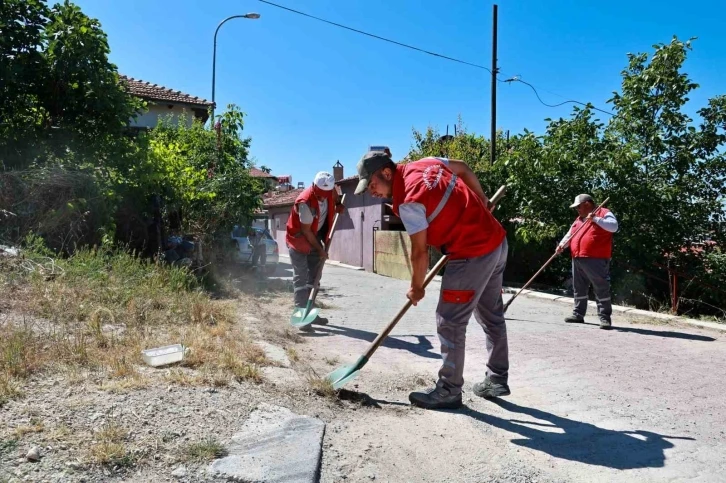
320, 320
575, 319
435, 398
606, 324
489, 389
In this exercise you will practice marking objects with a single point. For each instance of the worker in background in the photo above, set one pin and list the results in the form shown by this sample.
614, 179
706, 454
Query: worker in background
591, 250
308, 226
442, 205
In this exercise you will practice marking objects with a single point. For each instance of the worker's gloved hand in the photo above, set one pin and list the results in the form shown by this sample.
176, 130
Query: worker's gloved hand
339, 209
560, 249
415, 295
323, 256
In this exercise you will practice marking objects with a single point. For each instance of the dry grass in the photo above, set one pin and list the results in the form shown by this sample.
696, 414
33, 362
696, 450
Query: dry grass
21, 352
60, 432
9, 388
126, 384
181, 377
241, 369
290, 334
109, 448
322, 386
204, 451
188, 378
331, 361
35, 426
102, 309
292, 354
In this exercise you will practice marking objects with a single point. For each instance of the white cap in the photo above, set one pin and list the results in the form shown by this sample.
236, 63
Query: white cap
580, 199
324, 180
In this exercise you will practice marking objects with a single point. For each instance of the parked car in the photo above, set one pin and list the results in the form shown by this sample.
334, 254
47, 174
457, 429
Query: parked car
244, 248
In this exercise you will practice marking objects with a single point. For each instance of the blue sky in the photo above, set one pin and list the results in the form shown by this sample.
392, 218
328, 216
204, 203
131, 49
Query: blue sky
315, 94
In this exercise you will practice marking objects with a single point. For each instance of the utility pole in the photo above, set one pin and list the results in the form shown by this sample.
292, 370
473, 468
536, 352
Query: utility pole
494, 87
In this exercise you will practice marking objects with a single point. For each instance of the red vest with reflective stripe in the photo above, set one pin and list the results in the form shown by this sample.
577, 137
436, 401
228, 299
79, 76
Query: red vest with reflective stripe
294, 236
592, 242
464, 228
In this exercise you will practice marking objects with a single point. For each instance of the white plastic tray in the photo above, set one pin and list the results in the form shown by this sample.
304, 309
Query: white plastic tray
161, 356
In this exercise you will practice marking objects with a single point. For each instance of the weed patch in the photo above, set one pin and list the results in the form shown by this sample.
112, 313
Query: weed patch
204, 451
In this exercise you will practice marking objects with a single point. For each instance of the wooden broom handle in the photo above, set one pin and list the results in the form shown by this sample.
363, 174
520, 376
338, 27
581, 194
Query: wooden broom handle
429, 276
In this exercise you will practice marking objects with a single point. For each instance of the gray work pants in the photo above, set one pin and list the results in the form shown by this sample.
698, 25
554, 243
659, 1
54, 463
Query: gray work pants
305, 268
595, 271
472, 286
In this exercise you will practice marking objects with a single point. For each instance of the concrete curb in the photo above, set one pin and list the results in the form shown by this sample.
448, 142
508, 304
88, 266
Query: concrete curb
569, 300
332, 262
620, 308
274, 445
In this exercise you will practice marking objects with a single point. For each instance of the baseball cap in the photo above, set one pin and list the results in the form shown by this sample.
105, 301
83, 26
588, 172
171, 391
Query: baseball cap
371, 162
580, 199
324, 180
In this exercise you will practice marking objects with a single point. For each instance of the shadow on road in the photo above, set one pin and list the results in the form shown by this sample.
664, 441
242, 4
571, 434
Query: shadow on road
668, 334
365, 400
421, 348
583, 442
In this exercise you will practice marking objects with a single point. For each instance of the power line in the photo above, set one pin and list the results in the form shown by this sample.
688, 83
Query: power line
379, 37
428, 52
517, 79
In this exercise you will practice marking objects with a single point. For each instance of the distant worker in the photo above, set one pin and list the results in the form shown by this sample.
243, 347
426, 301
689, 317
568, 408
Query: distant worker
308, 226
442, 204
591, 250
259, 250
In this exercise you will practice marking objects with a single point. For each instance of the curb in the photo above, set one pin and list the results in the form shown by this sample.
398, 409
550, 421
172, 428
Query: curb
569, 300
332, 262
619, 308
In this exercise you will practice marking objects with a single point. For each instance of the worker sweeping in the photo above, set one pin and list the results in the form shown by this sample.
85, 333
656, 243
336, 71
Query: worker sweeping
307, 226
591, 250
442, 204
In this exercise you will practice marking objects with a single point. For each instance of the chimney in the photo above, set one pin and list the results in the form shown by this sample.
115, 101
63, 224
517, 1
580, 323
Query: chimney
338, 171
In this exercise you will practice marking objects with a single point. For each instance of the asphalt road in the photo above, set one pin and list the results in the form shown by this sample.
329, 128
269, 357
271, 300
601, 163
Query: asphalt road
642, 402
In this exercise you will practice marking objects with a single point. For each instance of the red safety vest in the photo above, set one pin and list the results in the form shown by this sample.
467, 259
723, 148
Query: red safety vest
592, 242
462, 227
294, 236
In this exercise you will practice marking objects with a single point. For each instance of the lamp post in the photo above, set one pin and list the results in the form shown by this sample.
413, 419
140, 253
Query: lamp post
251, 16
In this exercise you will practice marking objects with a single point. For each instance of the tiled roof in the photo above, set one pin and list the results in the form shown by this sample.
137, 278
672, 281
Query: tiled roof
281, 198
155, 92
258, 173
349, 178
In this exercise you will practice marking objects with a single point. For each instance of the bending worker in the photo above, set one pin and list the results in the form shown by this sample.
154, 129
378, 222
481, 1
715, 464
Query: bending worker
442, 204
307, 227
591, 250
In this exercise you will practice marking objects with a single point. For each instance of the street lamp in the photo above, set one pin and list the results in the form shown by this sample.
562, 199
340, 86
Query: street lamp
251, 16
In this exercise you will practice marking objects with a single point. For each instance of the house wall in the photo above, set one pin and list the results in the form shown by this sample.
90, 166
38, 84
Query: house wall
150, 118
353, 239
278, 222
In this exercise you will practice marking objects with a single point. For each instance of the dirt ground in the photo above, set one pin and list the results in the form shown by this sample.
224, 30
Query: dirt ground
643, 402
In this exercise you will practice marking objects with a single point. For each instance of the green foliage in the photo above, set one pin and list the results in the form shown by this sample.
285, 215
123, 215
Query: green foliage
664, 175
65, 207
65, 100
74, 175
204, 173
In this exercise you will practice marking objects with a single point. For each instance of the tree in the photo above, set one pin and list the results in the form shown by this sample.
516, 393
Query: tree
664, 174
667, 173
203, 173
65, 97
